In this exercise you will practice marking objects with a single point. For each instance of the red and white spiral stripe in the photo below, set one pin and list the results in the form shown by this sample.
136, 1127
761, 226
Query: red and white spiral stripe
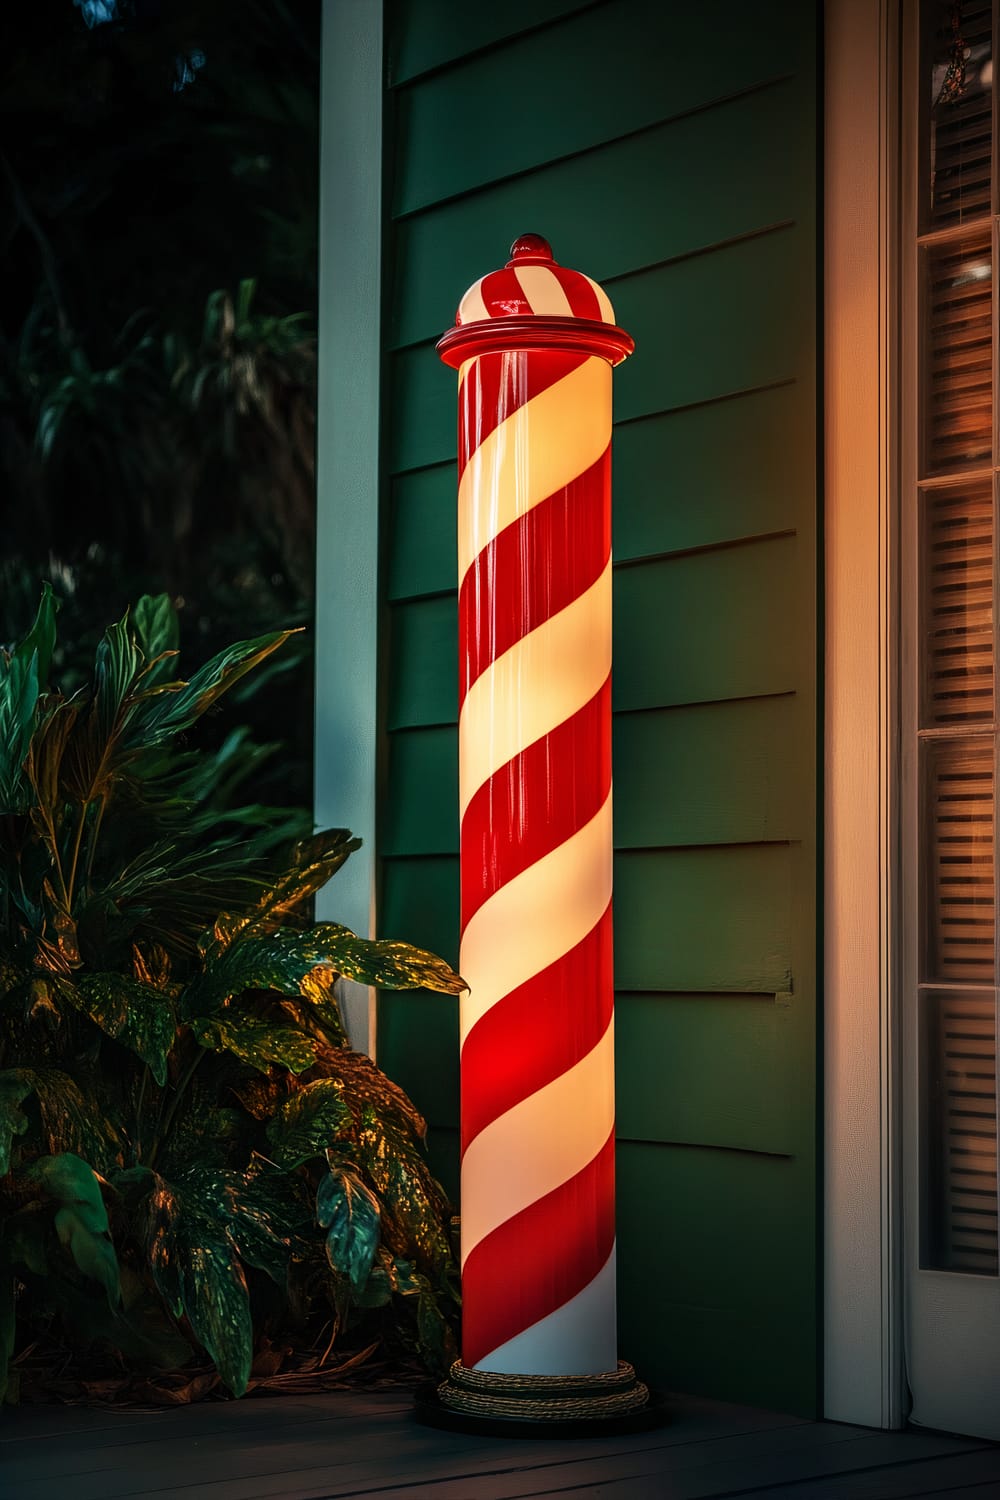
538, 287
535, 793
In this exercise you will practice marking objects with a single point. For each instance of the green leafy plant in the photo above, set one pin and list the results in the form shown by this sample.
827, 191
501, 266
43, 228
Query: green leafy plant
191, 1155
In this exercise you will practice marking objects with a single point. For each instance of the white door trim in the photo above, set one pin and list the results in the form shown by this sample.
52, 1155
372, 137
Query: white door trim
863, 1368
347, 477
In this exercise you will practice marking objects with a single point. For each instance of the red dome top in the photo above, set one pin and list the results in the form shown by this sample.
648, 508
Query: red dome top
533, 284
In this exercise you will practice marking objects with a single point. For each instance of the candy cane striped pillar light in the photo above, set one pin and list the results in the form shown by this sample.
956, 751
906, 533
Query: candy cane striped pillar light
534, 345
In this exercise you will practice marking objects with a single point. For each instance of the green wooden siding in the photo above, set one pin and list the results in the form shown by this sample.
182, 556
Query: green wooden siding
673, 159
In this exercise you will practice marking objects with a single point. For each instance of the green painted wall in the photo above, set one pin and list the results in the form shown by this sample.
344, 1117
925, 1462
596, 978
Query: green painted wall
672, 156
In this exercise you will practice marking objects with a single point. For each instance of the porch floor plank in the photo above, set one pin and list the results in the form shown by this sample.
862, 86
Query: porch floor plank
346, 1444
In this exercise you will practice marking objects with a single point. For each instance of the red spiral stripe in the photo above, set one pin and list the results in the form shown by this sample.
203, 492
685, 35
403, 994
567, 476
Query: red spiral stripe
516, 1263
534, 633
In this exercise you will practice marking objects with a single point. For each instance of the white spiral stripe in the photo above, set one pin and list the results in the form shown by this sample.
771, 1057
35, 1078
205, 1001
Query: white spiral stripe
536, 918
543, 445
535, 685
544, 291
567, 1123
579, 1338
603, 301
472, 308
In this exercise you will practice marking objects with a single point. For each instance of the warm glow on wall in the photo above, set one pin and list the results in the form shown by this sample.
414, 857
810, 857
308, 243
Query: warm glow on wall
534, 345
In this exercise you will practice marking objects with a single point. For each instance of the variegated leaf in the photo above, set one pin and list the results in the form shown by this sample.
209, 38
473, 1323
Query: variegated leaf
256, 1041
198, 1271
349, 1212
307, 1124
280, 960
138, 1015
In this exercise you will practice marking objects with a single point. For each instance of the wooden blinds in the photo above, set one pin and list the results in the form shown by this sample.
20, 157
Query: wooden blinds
960, 925
958, 385
956, 707
963, 1098
960, 115
958, 604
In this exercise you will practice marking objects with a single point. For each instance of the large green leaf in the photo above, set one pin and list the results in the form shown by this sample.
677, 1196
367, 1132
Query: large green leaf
348, 1210
117, 666
41, 638
14, 1088
157, 631
318, 989
311, 864
297, 875
414, 1205
206, 1130
169, 716
81, 1221
44, 767
23, 676
368, 1087
98, 750
162, 1213
280, 960
92, 1250
73, 1120
256, 1041
313, 1119
18, 699
138, 1015
198, 1271
268, 1224
261, 1209
381, 1283
389, 965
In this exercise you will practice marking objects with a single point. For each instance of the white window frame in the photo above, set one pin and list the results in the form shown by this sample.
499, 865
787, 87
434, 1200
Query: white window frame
347, 473
863, 1365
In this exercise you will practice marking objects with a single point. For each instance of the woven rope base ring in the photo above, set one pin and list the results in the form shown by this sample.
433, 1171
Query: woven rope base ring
539, 1405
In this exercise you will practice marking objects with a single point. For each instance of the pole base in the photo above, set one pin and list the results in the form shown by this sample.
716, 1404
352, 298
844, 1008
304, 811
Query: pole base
539, 1405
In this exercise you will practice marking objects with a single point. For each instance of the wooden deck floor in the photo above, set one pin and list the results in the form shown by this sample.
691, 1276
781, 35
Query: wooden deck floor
347, 1443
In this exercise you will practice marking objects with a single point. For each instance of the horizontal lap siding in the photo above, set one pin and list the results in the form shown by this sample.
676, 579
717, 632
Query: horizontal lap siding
673, 159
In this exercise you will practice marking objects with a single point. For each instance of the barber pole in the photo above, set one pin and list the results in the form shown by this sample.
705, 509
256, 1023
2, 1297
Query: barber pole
534, 345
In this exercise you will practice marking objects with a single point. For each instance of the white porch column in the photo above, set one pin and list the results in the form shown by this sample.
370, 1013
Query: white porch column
350, 243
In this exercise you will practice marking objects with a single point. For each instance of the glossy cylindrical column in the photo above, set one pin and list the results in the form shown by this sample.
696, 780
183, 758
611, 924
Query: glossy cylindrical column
534, 346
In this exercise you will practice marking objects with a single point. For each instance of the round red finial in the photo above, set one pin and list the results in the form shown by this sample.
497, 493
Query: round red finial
530, 249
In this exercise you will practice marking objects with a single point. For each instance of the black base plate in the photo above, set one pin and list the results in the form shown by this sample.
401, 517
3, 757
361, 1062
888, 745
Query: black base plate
430, 1410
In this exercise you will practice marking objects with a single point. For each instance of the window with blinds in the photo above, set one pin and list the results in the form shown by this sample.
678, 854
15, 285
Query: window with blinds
958, 137
958, 384
955, 707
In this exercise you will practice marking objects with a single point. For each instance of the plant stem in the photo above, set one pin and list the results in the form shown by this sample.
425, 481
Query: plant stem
94, 836
77, 841
52, 839
164, 1130
137, 1145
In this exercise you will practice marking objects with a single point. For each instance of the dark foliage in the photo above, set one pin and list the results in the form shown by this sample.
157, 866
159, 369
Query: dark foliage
191, 1157
158, 163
